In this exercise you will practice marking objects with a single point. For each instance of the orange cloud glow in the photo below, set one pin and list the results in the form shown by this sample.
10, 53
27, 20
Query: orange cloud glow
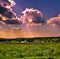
55, 21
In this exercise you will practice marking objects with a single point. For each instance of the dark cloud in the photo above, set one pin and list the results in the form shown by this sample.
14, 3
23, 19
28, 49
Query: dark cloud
2, 9
12, 22
0, 19
6, 12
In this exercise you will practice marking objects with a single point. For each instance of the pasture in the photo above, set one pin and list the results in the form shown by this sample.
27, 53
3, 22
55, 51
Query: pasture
30, 51
30, 48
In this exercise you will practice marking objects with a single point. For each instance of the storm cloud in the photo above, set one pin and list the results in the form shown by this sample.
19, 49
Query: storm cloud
6, 12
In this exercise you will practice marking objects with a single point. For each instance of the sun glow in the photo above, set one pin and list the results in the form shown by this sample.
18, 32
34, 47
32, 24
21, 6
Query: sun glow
4, 18
30, 20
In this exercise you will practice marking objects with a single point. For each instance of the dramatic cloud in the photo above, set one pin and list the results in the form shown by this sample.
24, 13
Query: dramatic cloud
9, 17
32, 16
7, 3
6, 12
55, 21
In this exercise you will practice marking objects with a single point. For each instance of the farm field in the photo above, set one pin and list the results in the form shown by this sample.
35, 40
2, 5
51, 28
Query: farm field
30, 51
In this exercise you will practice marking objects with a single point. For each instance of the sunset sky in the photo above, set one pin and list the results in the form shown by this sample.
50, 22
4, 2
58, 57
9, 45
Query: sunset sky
29, 18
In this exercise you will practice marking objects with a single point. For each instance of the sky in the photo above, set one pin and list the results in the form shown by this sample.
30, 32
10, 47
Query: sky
49, 8
29, 18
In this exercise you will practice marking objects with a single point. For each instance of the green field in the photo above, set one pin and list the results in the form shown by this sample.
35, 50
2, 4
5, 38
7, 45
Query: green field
30, 51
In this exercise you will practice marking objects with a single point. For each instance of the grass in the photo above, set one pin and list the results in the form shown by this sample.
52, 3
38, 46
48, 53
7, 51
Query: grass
30, 51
